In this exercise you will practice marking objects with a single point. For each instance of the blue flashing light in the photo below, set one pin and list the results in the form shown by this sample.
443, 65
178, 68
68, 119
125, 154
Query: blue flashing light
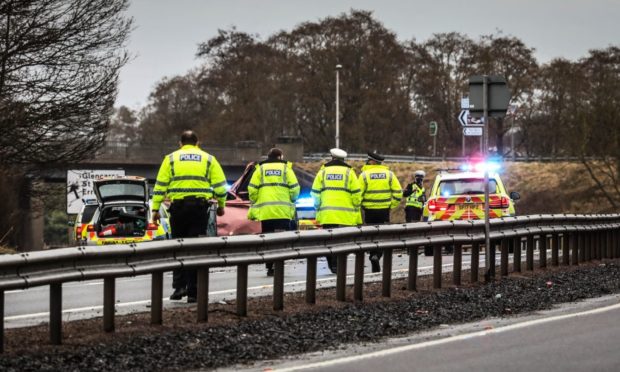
307, 202
446, 193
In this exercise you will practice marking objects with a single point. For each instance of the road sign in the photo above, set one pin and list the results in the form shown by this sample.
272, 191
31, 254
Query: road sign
432, 127
465, 103
466, 119
472, 131
498, 95
80, 185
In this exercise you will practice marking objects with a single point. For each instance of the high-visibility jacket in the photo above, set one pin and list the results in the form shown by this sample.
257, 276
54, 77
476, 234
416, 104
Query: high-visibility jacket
380, 187
273, 190
417, 196
190, 171
336, 193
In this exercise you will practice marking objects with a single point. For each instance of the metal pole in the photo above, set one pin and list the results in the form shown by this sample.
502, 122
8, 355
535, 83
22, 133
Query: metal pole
463, 145
435, 145
512, 138
489, 261
338, 67
202, 289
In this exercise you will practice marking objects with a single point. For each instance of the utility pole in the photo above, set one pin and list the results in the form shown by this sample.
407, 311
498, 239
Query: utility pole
338, 68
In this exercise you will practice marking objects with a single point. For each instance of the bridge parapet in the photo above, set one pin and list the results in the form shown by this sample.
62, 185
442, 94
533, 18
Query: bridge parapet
118, 152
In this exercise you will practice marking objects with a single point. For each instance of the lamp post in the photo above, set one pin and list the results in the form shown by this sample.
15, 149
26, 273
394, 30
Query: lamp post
338, 68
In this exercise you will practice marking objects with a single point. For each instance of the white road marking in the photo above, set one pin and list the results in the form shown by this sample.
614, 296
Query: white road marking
400, 349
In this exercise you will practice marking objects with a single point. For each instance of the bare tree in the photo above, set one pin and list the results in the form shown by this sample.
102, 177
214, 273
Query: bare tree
59, 65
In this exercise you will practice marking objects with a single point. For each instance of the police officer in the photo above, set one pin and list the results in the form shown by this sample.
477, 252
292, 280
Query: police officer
273, 191
190, 177
381, 192
416, 197
337, 197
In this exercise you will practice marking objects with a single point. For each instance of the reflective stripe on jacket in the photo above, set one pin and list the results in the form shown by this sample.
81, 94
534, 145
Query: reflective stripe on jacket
337, 197
273, 190
189, 171
380, 187
416, 199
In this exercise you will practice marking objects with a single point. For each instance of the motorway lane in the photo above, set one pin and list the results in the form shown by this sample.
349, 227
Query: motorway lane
85, 299
573, 337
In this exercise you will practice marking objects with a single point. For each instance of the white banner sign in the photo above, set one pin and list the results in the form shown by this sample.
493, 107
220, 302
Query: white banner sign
472, 131
80, 186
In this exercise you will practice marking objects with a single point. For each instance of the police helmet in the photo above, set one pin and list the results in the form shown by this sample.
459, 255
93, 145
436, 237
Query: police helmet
419, 173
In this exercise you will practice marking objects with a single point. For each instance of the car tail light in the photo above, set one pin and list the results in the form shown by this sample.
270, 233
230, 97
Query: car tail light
503, 202
434, 206
152, 226
90, 228
78, 231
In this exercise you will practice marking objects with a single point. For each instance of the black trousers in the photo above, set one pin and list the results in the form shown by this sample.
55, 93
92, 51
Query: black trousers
188, 219
276, 225
413, 214
376, 217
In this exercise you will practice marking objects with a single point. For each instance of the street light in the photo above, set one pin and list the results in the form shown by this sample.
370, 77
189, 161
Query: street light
338, 68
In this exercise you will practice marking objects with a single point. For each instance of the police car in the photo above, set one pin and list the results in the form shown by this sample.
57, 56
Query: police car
122, 214
83, 218
460, 195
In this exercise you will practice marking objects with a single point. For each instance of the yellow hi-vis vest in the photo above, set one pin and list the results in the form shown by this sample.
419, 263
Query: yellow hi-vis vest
336, 194
273, 190
415, 199
380, 187
189, 171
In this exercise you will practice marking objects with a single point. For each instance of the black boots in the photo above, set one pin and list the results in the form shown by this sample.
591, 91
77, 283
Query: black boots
374, 261
178, 294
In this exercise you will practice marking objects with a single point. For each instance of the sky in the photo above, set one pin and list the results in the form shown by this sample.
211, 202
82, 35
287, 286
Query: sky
167, 32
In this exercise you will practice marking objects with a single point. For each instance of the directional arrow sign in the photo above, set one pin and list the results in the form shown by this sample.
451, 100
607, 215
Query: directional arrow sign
472, 131
463, 117
466, 119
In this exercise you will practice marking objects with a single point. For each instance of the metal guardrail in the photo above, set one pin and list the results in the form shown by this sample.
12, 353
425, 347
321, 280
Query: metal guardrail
434, 159
578, 237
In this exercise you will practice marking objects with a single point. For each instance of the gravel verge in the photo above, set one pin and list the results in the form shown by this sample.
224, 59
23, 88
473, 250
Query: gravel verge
227, 340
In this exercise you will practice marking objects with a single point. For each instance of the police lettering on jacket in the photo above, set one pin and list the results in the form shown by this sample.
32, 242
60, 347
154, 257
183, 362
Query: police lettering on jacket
377, 176
190, 157
333, 177
273, 172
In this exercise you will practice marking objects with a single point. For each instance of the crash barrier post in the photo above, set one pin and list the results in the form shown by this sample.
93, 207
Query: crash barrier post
358, 284
22, 271
574, 248
341, 277
582, 246
412, 276
242, 289
311, 280
202, 294
504, 257
517, 254
109, 297
457, 264
157, 294
386, 286
278, 285
437, 266
555, 249
529, 254
475, 262
1, 321
56, 313
542, 250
